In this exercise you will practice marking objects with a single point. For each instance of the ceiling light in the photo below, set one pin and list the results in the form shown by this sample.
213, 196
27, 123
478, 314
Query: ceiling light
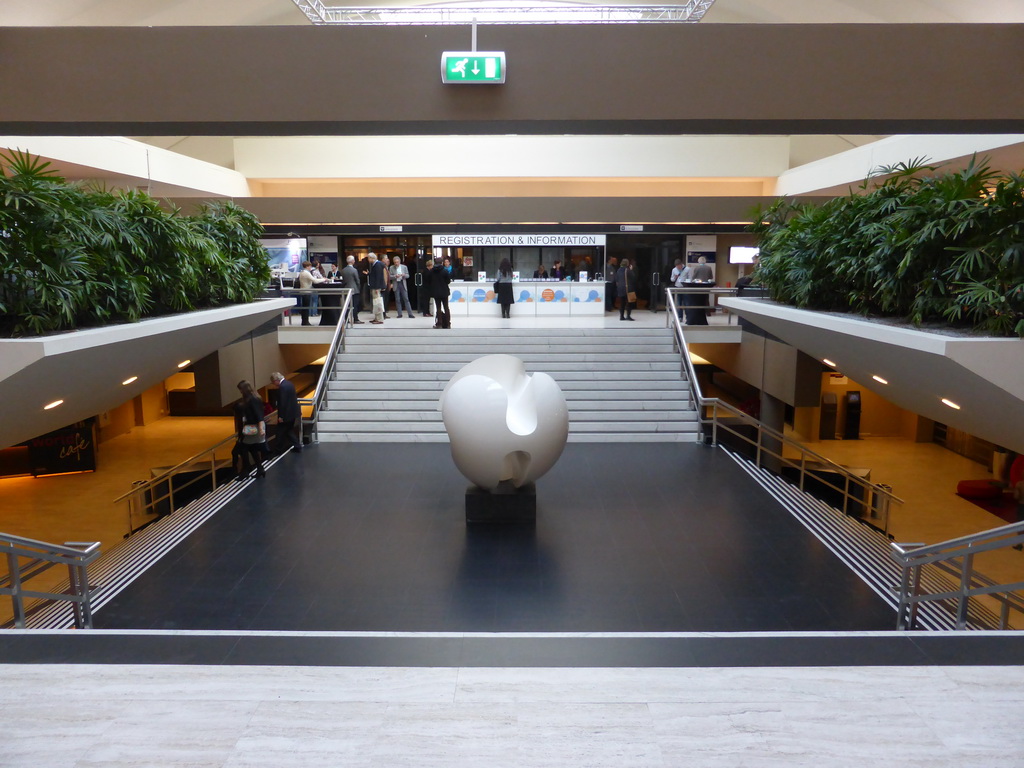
510, 12
828, 362
54, 404
879, 379
950, 403
183, 363
128, 381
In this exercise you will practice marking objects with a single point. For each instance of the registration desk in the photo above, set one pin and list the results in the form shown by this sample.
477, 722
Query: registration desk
533, 298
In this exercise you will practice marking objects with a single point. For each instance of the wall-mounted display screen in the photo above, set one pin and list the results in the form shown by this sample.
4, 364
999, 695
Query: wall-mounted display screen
285, 254
742, 254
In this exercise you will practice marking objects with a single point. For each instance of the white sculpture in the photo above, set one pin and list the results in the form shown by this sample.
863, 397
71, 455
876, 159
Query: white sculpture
504, 424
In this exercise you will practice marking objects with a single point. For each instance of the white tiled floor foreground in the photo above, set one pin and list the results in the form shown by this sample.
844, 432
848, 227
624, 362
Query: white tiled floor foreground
104, 715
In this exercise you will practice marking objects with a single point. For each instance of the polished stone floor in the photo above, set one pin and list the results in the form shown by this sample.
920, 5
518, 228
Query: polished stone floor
372, 537
83, 716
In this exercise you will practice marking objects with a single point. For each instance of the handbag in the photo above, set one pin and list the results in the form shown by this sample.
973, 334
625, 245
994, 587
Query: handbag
631, 297
251, 434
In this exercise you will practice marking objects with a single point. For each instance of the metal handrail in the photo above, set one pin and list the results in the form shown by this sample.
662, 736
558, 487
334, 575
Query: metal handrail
42, 556
137, 494
327, 373
875, 499
208, 456
711, 291
956, 558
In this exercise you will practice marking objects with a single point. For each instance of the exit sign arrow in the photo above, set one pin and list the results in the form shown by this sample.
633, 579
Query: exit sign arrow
473, 67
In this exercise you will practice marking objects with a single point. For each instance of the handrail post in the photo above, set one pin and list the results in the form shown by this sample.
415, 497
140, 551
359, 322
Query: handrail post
213, 469
916, 591
803, 467
963, 605
14, 569
77, 590
846, 495
757, 459
902, 612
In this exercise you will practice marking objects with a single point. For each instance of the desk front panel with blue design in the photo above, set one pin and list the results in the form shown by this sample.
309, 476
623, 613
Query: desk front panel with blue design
532, 298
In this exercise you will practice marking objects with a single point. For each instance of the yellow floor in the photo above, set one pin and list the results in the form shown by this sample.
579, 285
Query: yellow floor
925, 476
79, 507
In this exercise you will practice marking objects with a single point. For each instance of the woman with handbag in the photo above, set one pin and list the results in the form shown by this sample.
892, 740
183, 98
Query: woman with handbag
503, 288
253, 430
625, 289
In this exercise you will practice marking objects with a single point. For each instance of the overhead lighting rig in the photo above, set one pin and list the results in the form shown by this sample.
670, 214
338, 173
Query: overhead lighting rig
485, 13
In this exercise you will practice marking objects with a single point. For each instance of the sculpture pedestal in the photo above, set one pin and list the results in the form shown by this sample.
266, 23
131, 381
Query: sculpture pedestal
505, 504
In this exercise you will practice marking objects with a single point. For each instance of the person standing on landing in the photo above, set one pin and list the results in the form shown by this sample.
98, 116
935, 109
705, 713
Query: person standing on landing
625, 289
439, 280
503, 288
306, 282
350, 279
377, 284
702, 273
400, 286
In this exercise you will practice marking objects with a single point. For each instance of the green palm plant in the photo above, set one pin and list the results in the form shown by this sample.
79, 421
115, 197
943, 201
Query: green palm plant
924, 244
74, 256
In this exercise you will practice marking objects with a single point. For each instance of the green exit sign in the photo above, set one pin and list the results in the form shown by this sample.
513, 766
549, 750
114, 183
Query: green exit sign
473, 67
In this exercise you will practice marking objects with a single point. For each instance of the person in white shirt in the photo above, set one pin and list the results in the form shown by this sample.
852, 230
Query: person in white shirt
399, 278
306, 282
680, 274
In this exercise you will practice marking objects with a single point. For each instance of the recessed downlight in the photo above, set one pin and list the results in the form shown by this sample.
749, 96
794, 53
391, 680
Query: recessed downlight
950, 403
879, 379
129, 380
828, 362
183, 363
54, 404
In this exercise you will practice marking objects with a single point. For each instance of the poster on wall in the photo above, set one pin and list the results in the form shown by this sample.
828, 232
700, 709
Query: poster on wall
701, 245
69, 449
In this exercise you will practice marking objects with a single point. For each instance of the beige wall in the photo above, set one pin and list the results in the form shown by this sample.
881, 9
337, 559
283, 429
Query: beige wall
151, 405
118, 421
775, 368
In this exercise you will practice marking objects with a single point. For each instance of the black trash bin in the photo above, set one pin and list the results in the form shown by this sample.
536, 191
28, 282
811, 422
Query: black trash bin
852, 429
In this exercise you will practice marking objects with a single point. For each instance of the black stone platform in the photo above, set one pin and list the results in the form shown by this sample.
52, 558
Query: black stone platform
894, 649
506, 505
628, 538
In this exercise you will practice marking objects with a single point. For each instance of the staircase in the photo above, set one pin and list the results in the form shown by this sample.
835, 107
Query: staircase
620, 385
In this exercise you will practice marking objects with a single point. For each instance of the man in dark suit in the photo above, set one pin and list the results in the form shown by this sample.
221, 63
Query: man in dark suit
289, 415
350, 279
378, 284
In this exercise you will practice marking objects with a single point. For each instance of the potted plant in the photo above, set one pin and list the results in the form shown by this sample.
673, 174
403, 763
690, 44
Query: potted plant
924, 244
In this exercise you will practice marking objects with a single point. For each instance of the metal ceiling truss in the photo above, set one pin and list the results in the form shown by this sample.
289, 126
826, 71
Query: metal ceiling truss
689, 12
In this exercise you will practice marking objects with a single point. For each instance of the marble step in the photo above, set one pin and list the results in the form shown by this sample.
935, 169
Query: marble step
433, 414
407, 351
407, 331
540, 360
394, 377
650, 437
594, 437
577, 397
575, 406
552, 368
631, 426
